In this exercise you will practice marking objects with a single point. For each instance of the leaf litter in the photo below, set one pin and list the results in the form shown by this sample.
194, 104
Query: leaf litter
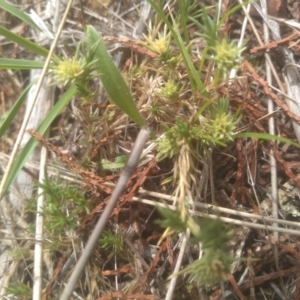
234, 166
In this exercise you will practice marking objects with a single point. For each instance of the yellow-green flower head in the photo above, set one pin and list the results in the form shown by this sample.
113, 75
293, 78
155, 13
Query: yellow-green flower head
227, 54
68, 70
170, 90
223, 126
160, 45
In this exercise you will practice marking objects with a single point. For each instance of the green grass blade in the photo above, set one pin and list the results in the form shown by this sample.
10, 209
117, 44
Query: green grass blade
111, 77
119, 163
20, 64
266, 136
25, 43
18, 13
232, 11
24, 154
183, 19
5, 124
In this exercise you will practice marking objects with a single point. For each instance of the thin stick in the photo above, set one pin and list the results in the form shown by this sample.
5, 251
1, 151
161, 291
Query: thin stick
39, 234
209, 207
39, 221
267, 56
173, 281
224, 219
124, 177
273, 165
213, 208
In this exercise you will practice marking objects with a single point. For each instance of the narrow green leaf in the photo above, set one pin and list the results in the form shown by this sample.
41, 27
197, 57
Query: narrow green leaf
118, 164
25, 43
24, 154
5, 124
20, 64
183, 19
18, 13
111, 77
233, 10
266, 136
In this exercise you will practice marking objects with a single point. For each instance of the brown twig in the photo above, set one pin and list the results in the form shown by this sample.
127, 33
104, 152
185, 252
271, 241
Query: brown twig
236, 287
262, 279
275, 44
269, 92
90, 179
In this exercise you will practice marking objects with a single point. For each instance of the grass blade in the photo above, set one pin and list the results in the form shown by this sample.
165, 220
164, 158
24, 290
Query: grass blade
5, 124
111, 77
20, 64
31, 144
25, 43
18, 13
267, 137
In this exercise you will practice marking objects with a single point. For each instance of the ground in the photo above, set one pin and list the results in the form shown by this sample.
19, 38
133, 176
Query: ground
217, 162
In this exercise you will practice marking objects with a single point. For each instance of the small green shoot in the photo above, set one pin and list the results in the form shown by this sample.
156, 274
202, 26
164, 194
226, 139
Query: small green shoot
214, 266
111, 241
171, 219
19, 290
64, 206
